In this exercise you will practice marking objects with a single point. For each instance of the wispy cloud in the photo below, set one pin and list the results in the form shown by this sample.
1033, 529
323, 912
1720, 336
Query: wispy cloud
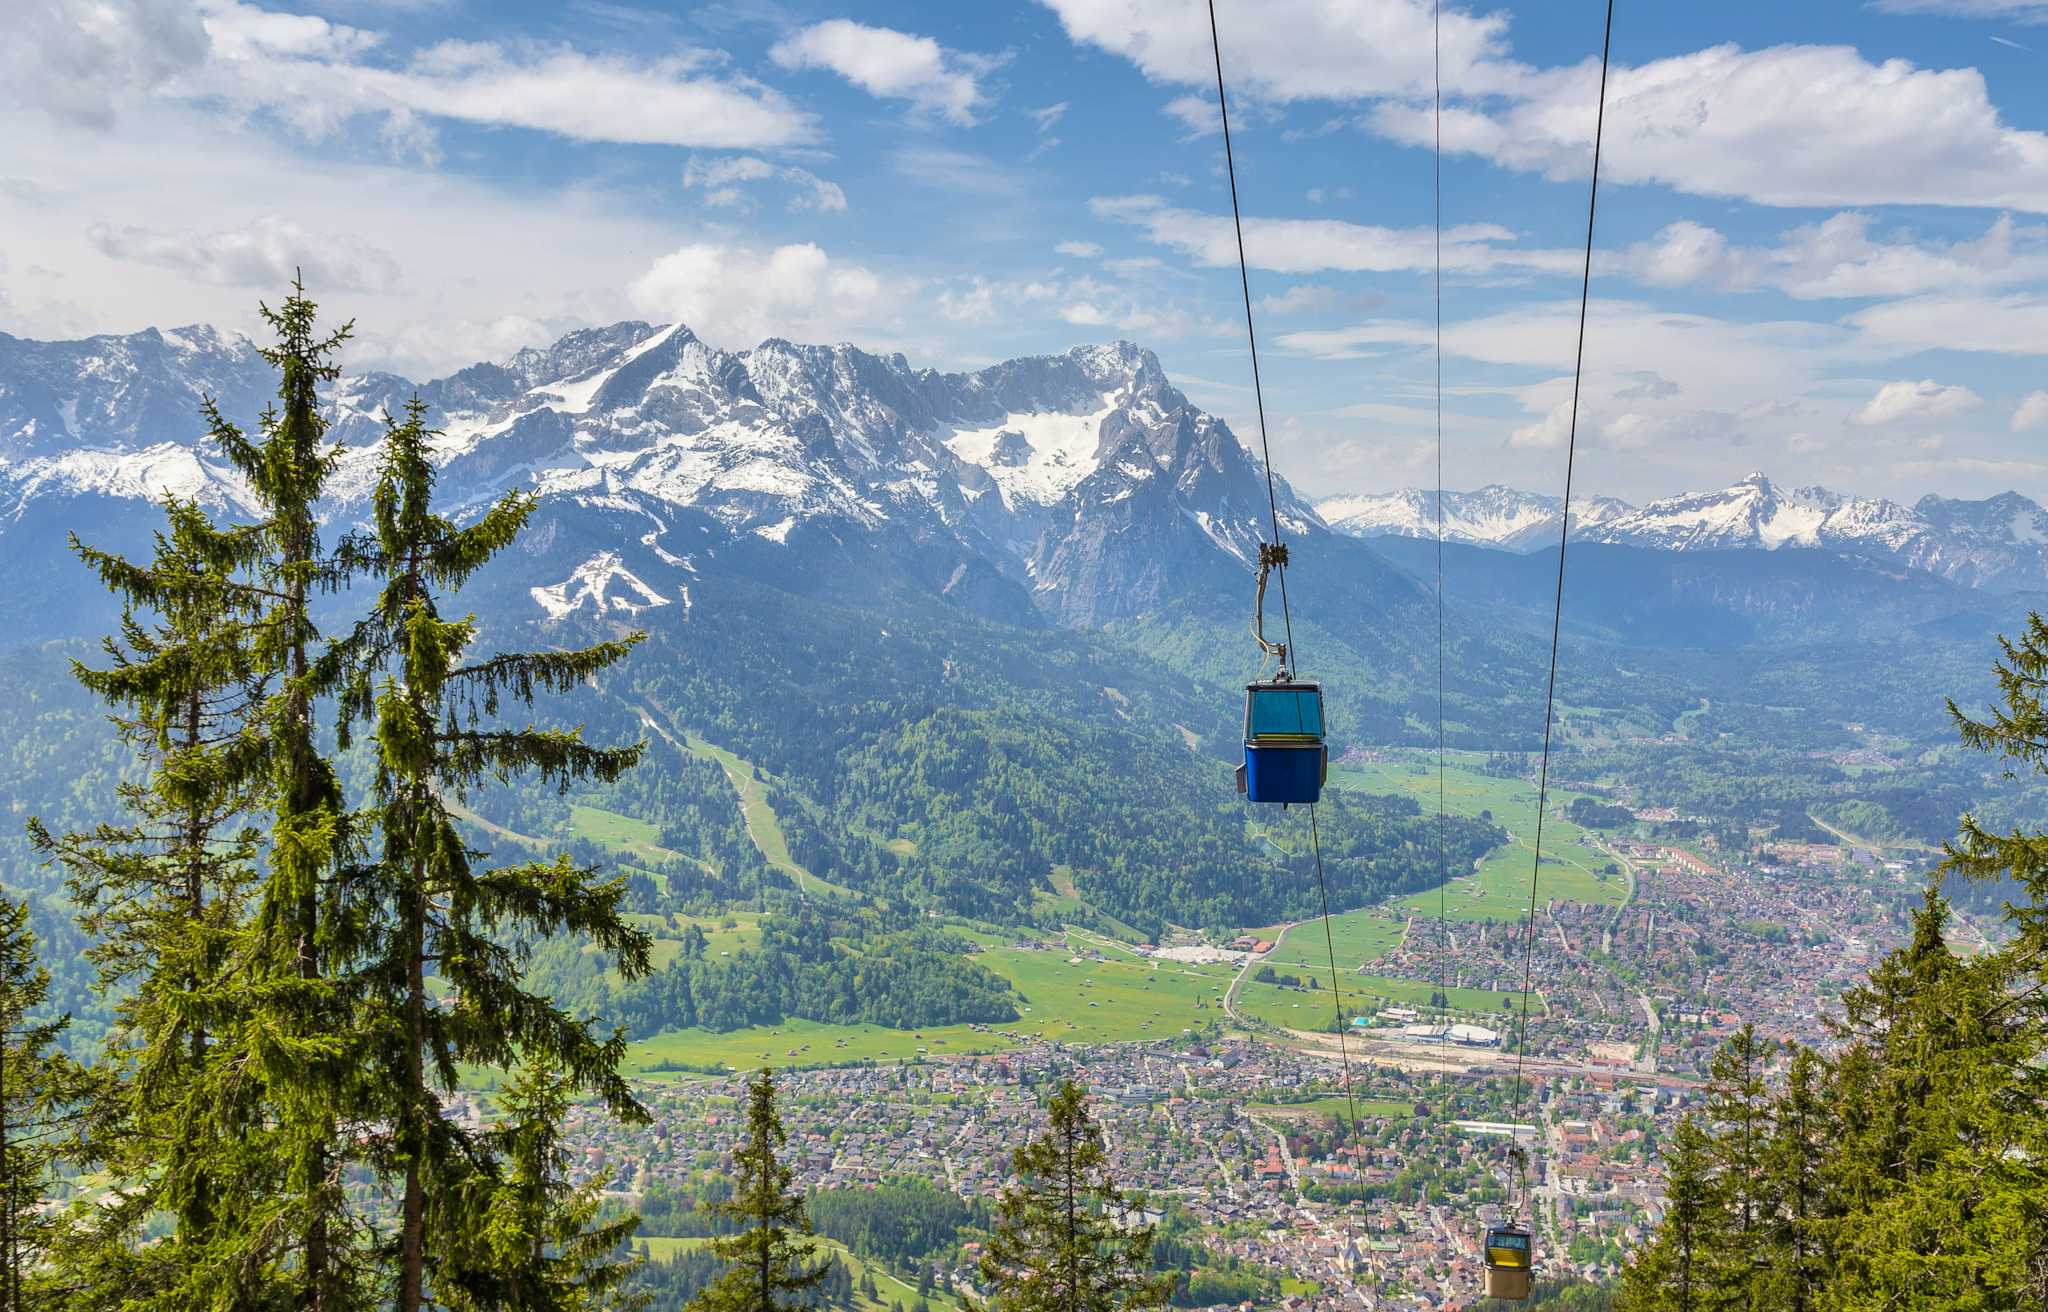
724, 182
85, 62
265, 253
891, 64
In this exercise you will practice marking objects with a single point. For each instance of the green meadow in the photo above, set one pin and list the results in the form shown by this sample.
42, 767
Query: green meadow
889, 1287
1119, 1000
1303, 1009
1357, 936
1499, 889
1334, 1105
756, 789
620, 833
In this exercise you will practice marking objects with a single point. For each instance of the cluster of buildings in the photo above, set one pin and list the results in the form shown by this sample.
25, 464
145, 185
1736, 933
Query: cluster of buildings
1240, 1142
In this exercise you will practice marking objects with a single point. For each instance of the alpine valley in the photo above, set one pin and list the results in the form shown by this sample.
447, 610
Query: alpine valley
928, 644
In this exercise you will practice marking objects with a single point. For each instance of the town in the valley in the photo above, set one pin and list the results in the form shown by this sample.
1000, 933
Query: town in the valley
1355, 1168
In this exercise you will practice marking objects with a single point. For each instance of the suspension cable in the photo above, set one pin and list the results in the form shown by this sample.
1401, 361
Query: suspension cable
1280, 567
1443, 929
1244, 280
1557, 608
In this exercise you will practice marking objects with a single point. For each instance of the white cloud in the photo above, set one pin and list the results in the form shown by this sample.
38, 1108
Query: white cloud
318, 76
1838, 258
1283, 50
83, 62
1910, 402
1080, 250
1049, 116
723, 181
2019, 11
1315, 245
735, 296
2004, 325
1085, 301
1666, 396
264, 253
891, 64
1717, 122
976, 303
2031, 413
956, 170
464, 249
1302, 298
1196, 113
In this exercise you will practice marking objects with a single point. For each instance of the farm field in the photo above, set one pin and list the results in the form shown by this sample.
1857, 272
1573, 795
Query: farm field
1084, 1001
1499, 889
620, 833
892, 1290
1333, 1105
1301, 1009
1358, 936
719, 940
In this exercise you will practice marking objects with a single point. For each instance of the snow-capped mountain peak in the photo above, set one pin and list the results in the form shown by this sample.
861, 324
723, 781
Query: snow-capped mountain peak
1999, 542
1494, 515
1069, 474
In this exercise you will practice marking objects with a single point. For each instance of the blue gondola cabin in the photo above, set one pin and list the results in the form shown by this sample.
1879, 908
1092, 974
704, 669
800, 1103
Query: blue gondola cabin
1285, 757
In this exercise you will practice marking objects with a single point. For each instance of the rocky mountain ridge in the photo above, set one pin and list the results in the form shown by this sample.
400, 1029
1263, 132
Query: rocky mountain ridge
1081, 485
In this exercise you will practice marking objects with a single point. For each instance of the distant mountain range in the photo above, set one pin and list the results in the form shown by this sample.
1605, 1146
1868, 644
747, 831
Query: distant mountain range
1080, 486
1080, 489
1998, 543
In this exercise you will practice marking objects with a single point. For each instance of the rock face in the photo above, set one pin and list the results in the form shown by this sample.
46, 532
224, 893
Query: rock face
1999, 543
1080, 487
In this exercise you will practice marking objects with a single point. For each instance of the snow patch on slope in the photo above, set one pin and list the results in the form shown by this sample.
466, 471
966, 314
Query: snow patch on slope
604, 583
1035, 457
153, 473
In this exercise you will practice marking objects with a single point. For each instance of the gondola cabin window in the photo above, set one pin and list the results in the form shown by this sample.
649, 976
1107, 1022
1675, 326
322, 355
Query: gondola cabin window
1286, 713
1507, 1248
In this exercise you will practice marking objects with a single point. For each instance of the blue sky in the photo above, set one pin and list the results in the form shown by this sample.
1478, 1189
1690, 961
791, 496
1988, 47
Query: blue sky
1823, 234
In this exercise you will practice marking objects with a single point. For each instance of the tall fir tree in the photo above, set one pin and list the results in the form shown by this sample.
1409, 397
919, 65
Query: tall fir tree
36, 1082
163, 897
1675, 1271
1801, 1130
1066, 1238
299, 1035
2016, 732
528, 1238
433, 912
772, 1266
1941, 1167
1738, 1108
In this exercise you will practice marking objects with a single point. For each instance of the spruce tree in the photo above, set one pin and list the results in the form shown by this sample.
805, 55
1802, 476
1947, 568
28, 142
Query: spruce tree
2016, 732
1943, 1166
771, 1263
298, 1037
36, 1082
438, 735
1675, 1271
524, 1237
163, 897
1066, 1238
1802, 1129
1739, 1110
